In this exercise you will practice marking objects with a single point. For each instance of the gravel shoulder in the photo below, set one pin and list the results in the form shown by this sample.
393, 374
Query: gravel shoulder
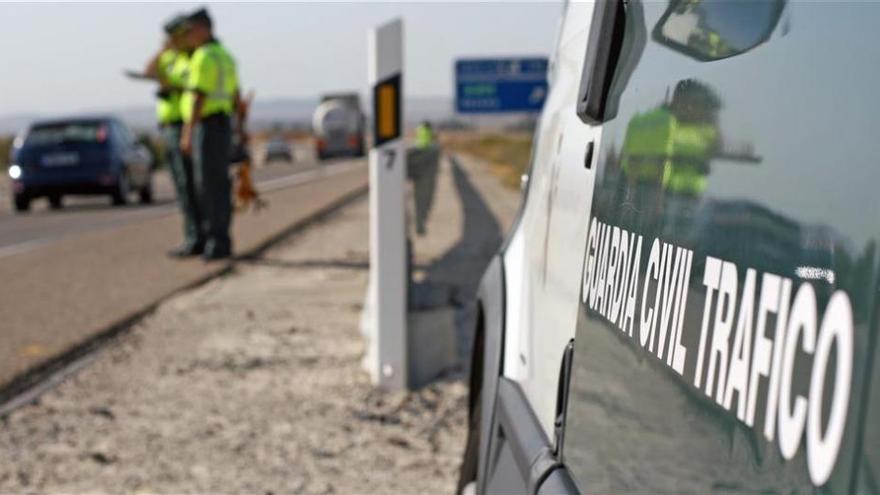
251, 383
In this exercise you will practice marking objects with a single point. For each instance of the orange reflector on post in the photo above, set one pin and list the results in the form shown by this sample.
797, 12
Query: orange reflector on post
387, 103
386, 106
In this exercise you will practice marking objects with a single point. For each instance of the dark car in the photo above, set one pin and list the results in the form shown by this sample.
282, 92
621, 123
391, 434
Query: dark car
82, 156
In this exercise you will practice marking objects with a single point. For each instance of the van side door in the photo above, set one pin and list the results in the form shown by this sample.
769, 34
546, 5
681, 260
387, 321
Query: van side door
728, 310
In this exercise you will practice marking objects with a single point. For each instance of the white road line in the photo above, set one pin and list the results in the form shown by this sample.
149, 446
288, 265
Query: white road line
265, 186
307, 176
23, 247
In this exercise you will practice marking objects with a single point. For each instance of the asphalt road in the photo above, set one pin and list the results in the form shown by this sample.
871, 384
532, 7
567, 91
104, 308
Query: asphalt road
68, 275
19, 232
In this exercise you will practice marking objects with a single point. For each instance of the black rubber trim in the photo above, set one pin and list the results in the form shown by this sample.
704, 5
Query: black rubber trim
562, 391
530, 446
491, 297
558, 482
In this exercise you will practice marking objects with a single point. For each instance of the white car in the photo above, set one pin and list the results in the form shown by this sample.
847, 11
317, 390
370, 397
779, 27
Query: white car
277, 148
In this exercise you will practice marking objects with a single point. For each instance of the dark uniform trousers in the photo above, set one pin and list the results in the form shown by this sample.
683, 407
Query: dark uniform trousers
184, 184
212, 145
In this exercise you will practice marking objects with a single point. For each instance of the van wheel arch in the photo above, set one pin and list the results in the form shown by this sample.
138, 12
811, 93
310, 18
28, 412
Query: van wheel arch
471, 456
486, 366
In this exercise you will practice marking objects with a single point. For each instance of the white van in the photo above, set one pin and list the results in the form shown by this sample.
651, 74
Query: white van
688, 302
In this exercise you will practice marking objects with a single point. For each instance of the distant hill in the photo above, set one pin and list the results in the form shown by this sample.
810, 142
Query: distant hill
285, 112
11, 124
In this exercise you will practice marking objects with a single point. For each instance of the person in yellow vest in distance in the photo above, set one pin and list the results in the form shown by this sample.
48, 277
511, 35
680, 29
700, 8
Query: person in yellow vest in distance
210, 99
424, 135
423, 165
667, 152
170, 67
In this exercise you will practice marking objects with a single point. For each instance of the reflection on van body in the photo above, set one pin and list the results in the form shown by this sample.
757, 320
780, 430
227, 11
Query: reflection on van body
757, 237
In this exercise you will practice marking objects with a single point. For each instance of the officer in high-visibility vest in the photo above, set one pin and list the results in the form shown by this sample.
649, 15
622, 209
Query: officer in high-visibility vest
644, 163
422, 164
210, 99
170, 67
424, 135
695, 142
647, 147
667, 152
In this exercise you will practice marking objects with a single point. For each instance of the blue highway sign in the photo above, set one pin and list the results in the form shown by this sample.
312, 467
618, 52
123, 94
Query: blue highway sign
494, 85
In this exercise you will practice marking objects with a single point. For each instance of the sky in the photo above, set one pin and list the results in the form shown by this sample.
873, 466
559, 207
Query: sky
69, 57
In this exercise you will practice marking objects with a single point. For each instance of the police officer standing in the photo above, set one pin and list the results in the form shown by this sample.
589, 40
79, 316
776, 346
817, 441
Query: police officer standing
424, 135
209, 101
170, 67
423, 164
667, 152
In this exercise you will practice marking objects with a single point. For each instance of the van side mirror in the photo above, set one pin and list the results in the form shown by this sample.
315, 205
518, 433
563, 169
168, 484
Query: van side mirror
614, 47
603, 49
707, 30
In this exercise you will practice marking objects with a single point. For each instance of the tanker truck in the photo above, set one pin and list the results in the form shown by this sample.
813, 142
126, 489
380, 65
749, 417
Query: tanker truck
339, 126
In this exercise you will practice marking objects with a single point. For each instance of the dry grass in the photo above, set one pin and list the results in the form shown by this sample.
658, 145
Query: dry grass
508, 154
5, 145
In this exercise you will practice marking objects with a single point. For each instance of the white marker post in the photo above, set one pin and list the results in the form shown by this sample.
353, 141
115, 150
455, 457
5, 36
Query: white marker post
386, 315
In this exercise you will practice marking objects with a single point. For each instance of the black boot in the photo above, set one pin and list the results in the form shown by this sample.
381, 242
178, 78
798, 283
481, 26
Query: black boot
186, 251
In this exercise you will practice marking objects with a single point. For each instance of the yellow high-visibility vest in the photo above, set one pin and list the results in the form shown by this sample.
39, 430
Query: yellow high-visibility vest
172, 71
212, 73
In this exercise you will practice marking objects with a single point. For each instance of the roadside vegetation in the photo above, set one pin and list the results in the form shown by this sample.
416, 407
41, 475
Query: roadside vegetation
507, 153
5, 146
